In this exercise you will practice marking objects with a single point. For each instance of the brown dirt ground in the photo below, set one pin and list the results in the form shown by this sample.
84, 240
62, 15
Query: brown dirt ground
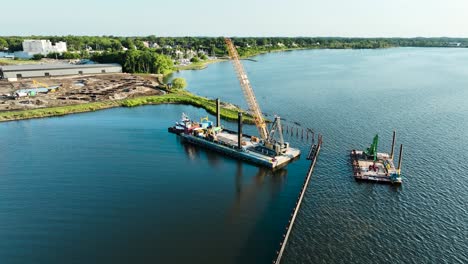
78, 90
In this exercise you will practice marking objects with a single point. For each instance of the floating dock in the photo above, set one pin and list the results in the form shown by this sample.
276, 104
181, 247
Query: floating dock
234, 144
371, 165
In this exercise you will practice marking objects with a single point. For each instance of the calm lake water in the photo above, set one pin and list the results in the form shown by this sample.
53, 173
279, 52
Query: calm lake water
114, 187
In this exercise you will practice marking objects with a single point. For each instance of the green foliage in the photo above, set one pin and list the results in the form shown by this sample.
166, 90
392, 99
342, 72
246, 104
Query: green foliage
37, 57
128, 43
179, 83
14, 43
137, 61
195, 59
140, 45
171, 98
71, 55
55, 111
3, 44
54, 55
190, 99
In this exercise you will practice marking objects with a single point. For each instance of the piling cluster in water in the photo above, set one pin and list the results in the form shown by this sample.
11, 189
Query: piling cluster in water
303, 134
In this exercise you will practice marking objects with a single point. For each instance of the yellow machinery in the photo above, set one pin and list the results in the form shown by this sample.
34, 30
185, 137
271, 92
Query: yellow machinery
248, 91
267, 138
37, 84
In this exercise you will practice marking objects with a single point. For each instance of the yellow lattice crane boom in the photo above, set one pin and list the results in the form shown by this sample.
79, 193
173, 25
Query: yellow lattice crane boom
37, 84
247, 90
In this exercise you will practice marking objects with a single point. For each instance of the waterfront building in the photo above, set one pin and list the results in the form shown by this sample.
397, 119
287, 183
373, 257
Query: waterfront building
42, 46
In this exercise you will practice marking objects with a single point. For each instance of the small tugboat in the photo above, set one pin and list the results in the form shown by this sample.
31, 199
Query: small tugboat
370, 165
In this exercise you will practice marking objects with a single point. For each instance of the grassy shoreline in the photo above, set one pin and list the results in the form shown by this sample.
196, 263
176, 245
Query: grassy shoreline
203, 64
198, 65
181, 97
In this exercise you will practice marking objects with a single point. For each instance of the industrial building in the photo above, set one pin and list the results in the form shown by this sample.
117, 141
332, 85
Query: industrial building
15, 72
42, 46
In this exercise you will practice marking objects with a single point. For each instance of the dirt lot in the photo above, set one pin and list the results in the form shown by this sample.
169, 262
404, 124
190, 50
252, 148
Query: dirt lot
77, 90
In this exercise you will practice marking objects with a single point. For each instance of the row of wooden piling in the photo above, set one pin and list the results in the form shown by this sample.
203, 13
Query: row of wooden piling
298, 132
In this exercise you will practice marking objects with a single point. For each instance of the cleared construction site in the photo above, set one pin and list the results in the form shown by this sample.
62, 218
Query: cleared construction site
33, 93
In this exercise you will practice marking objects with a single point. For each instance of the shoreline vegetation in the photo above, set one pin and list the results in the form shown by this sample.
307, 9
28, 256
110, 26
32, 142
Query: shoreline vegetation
164, 55
228, 112
198, 65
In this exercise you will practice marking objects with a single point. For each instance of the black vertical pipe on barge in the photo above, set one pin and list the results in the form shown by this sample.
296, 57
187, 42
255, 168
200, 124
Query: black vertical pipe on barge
218, 113
400, 158
239, 130
393, 145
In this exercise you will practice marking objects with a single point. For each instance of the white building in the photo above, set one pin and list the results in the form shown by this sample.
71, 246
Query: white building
42, 46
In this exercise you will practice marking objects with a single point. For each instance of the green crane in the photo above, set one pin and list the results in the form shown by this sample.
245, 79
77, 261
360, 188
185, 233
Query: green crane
372, 150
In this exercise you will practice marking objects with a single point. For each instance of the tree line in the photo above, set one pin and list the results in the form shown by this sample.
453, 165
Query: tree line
215, 45
151, 54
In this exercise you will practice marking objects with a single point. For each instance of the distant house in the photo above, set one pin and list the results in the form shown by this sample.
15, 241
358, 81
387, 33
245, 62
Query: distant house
454, 44
190, 53
179, 54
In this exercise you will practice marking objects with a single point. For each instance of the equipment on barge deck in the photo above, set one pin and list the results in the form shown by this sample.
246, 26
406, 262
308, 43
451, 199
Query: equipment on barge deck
268, 138
372, 150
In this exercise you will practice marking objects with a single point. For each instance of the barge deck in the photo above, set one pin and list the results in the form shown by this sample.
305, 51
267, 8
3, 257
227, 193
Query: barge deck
234, 144
371, 165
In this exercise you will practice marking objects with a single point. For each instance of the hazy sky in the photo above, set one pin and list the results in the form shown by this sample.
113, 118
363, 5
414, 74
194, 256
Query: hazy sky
347, 18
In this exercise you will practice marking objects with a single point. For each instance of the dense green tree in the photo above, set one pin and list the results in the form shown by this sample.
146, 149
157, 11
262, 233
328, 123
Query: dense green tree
116, 45
3, 44
136, 61
14, 44
140, 45
128, 43
162, 64
179, 83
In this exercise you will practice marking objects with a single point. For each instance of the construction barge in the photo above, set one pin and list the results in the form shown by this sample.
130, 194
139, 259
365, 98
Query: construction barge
268, 150
370, 165
235, 144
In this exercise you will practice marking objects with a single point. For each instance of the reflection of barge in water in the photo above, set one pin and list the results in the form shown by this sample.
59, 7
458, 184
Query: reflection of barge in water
370, 165
237, 145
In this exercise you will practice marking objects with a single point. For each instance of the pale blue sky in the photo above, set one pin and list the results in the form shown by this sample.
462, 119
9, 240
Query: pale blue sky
347, 18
